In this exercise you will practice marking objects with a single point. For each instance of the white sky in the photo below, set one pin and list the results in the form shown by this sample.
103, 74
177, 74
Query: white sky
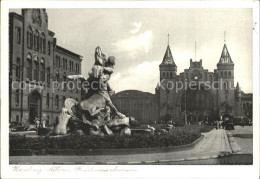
138, 40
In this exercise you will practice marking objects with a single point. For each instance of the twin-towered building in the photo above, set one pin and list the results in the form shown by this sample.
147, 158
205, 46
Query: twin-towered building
207, 96
38, 68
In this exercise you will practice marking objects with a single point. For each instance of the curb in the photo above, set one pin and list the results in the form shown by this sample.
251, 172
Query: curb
227, 142
69, 152
233, 144
151, 162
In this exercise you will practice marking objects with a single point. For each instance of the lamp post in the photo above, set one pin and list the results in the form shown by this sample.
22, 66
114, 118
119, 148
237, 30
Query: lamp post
241, 110
185, 115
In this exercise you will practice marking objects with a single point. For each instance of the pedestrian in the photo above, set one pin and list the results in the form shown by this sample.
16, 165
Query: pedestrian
217, 124
37, 122
242, 122
43, 122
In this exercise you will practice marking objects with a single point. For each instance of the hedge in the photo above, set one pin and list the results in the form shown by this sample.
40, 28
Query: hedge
179, 136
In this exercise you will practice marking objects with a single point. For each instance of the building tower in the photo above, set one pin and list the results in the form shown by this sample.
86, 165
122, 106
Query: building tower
168, 68
168, 76
226, 93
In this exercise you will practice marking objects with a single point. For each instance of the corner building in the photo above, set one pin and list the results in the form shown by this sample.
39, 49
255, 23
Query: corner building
36, 62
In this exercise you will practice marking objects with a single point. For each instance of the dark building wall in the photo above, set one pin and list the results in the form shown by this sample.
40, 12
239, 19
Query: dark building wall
223, 95
143, 106
33, 44
15, 62
247, 104
65, 63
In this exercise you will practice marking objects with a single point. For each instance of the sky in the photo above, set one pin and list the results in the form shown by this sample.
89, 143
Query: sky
138, 39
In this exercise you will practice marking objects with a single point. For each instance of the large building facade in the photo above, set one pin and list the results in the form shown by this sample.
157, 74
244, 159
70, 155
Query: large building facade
38, 68
198, 94
143, 106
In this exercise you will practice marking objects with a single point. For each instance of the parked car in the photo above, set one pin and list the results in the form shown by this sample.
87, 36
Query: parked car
16, 128
229, 124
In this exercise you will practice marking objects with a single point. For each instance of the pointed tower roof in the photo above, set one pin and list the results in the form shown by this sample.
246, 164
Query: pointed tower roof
238, 87
225, 57
168, 58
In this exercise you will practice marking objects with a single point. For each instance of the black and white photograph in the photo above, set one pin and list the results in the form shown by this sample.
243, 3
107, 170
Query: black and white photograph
125, 87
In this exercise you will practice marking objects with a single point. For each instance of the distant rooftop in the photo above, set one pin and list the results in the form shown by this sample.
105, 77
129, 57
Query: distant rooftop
68, 51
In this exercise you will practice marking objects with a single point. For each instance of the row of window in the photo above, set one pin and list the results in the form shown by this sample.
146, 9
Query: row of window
37, 41
225, 74
247, 105
64, 64
134, 104
35, 69
167, 74
56, 103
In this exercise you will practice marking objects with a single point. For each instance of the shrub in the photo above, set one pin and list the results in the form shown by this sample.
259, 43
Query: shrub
179, 136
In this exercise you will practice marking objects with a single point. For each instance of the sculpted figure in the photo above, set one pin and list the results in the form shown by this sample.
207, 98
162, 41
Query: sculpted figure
99, 75
96, 114
64, 117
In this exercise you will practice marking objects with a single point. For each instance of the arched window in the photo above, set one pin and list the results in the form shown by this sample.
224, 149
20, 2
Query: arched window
221, 73
57, 76
225, 73
58, 61
17, 68
29, 66
43, 43
225, 85
36, 40
42, 70
64, 76
229, 73
56, 101
40, 43
211, 78
48, 76
64, 63
47, 100
29, 37
18, 34
36, 68
17, 96
170, 74
49, 47
64, 81
63, 100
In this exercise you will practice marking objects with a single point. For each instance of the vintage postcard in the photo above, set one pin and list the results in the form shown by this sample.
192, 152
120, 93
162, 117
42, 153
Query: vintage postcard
134, 89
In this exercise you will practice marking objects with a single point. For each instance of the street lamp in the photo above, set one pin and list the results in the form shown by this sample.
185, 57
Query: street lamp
185, 115
241, 110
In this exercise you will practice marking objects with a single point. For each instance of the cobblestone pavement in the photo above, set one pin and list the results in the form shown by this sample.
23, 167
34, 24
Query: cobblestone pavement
241, 139
214, 144
242, 130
